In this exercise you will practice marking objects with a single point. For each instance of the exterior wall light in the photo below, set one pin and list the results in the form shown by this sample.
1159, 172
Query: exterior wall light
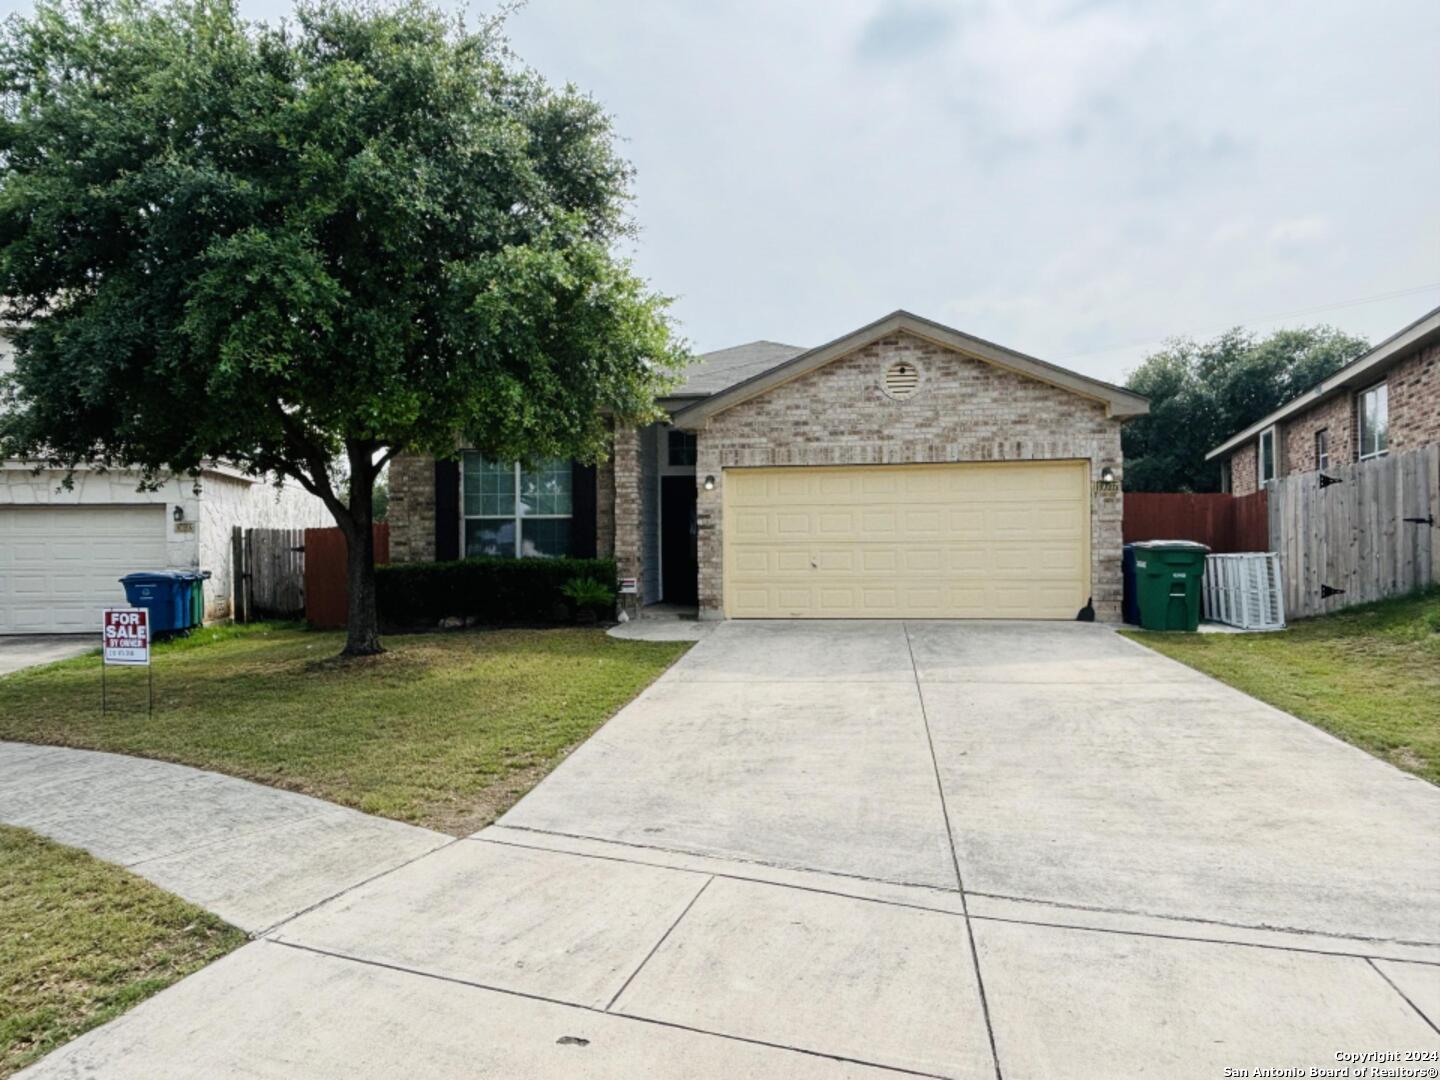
709, 483
178, 514
1107, 475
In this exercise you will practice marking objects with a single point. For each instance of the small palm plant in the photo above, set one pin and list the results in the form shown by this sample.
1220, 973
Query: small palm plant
591, 598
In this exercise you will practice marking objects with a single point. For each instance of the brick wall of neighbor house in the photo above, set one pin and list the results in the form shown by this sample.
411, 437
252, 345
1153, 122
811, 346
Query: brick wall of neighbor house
412, 508
1414, 397
965, 410
1243, 479
1336, 417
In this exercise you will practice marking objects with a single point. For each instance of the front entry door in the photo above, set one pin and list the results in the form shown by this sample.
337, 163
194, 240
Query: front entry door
679, 558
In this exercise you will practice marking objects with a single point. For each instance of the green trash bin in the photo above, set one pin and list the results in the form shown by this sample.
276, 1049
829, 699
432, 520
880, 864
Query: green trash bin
1168, 574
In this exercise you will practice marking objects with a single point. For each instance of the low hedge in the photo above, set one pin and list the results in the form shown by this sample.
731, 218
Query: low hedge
486, 590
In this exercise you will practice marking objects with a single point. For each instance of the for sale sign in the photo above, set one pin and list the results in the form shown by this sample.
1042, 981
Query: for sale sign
126, 636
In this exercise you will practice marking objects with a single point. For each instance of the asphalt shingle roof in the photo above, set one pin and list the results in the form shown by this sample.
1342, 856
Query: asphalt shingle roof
716, 371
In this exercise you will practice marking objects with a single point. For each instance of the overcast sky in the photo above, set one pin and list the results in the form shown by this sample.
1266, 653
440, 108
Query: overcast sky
1073, 178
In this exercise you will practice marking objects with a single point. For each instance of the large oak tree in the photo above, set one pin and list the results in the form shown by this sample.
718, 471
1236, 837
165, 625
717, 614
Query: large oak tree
304, 248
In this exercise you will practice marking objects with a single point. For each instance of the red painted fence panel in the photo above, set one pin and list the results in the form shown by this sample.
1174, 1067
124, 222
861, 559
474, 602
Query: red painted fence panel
327, 603
1226, 523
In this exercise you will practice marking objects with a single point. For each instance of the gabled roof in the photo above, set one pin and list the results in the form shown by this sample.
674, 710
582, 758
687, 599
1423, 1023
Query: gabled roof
714, 371
1362, 371
1117, 400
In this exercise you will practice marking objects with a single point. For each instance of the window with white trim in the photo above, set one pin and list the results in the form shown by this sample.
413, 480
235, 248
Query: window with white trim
1322, 449
1374, 421
513, 509
1265, 459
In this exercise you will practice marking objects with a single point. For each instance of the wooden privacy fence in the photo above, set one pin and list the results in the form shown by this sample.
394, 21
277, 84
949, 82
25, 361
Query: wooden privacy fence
326, 599
1225, 523
269, 579
1361, 532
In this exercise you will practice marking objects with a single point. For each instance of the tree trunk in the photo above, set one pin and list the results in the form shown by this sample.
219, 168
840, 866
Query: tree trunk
362, 627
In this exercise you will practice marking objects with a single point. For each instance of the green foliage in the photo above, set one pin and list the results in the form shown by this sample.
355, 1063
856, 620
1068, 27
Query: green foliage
1202, 393
495, 591
364, 231
590, 594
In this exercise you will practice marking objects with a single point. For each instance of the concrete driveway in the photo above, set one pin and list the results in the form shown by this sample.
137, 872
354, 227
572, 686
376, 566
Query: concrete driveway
19, 651
870, 849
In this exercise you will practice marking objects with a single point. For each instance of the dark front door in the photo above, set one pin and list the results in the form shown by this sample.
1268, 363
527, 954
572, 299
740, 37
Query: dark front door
679, 560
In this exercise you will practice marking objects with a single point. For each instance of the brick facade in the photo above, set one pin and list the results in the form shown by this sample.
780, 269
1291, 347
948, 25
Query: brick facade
412, 508
965, 410
1244, 479
1414, 400
1336, 418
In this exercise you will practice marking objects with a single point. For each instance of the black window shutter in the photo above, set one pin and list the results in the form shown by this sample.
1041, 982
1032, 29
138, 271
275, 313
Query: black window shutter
582, 511
447, 510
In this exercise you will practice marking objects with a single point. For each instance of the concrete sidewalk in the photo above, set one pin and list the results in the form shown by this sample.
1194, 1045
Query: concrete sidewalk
253, 855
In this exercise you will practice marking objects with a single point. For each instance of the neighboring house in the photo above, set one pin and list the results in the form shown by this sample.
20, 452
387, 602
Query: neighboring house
903, 470
63, 551
1386, 400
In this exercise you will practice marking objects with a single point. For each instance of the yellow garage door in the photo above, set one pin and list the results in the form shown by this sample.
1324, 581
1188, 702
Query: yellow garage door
969, 541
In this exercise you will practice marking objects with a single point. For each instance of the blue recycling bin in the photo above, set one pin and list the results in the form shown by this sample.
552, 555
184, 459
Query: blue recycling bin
1130, 610
166, 593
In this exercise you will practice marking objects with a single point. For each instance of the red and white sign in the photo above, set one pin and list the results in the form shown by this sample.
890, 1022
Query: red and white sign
125, 636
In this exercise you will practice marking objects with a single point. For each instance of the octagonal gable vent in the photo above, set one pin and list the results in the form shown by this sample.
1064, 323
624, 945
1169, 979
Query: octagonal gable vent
902, 378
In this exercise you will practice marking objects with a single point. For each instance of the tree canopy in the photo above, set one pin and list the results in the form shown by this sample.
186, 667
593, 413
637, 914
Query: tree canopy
1201, 393
364, 231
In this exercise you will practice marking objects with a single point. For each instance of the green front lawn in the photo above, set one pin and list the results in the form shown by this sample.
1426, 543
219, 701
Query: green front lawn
1370, 675
444, 730
82, 941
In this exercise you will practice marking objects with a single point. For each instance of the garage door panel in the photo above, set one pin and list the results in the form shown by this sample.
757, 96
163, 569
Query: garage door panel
974, 540
62, 564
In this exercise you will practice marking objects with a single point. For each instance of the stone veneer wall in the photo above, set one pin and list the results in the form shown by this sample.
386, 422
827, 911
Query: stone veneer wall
626, 477
965, 410
412, 508
605, 508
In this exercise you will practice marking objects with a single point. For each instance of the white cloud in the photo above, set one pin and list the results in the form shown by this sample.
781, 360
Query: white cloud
1071, 177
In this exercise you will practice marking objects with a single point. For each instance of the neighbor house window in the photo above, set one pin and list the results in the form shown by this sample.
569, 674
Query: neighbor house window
1374, 422
1322, 449
682, 448
1265, 461
513, 509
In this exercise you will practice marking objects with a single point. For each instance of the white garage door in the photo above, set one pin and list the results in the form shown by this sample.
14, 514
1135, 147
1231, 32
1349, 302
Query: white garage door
59, 565
986, 541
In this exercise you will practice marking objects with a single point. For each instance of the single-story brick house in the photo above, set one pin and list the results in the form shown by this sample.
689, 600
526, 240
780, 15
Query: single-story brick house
905, 469
1385, 400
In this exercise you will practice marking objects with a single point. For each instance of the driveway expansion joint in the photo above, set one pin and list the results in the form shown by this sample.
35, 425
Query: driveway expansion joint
351, 888
1408, 1001
656, 947
954, 856
419, 973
